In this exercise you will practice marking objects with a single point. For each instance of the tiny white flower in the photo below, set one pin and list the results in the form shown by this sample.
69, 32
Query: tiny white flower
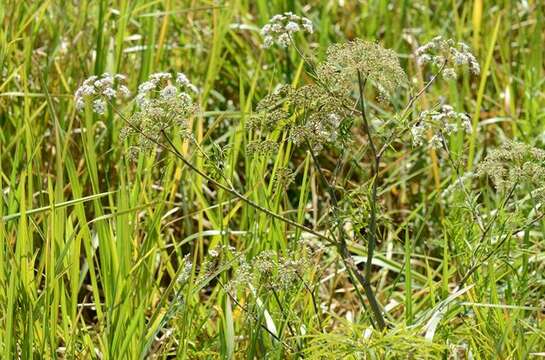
447, 52
168, 92
435, 142
459, 58
80, 104
450, 128
160, 76
88, 90
146, 87
266, 29
90, 80
141, 99
466, 123
181, 79
437, 117
185, 99
109, 93
417, 133
423, 59
292, 27
284, 40
447, 108
475, 67
422, 49
307, 25
124, 91
99, 106
449, 74
334, 119
438, 60
277, 28
268, 41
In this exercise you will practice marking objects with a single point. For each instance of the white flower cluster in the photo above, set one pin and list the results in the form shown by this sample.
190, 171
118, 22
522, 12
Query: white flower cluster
280, 28
450, 54
98, 90
163, 102
444, 121
160, 84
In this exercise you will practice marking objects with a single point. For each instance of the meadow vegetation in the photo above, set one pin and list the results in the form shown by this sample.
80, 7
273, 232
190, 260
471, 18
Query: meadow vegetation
272, 179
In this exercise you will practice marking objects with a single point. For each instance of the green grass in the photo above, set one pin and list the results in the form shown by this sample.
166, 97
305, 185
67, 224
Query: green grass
91, 243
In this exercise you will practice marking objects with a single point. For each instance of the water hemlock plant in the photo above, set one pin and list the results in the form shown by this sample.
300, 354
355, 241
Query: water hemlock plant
323, 113
213, 181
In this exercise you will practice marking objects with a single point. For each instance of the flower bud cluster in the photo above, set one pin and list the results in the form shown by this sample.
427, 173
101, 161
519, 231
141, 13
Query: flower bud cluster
270, 113
268, 270
448, 54
318, 129
310, 114
283, 177
515, 163
262, 147
281, 28
185, 273
372, 62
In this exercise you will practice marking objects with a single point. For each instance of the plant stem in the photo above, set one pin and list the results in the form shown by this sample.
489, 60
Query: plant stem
405, 111
371, 237
342, 247
478, 263
243, 308
234, 192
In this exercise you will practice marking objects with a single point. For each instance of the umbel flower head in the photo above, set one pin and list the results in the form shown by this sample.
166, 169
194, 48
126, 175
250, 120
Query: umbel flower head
162, 102
515, 163
309, 113
281, 27
378, 65
448, 54
441, 122
268, 270
97, 91
270, 113
319, 117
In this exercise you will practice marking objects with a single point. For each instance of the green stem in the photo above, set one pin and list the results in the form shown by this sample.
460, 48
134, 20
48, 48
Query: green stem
342, 246
371, 237
239, 195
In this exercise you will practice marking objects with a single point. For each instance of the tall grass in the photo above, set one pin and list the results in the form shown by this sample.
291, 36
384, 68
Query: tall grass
92, 244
